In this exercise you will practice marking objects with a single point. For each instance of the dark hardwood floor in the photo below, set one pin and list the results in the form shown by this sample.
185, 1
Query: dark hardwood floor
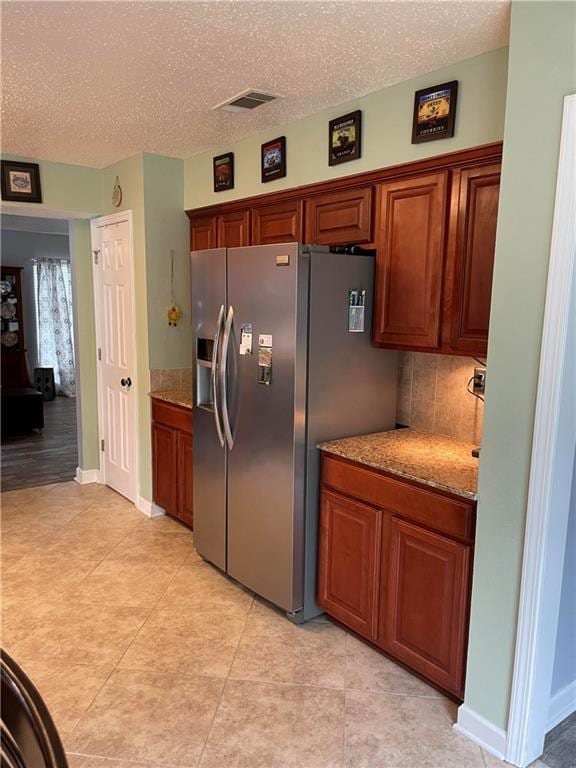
41, 458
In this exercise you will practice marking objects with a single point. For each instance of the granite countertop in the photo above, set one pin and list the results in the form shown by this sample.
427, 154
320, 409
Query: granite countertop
182, 397
435, 460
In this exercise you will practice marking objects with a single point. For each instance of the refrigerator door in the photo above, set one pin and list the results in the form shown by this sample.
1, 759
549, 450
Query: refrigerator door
267, 296
208, 277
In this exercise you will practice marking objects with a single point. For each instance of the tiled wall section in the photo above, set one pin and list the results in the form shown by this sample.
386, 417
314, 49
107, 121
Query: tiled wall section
170, 378
432, 396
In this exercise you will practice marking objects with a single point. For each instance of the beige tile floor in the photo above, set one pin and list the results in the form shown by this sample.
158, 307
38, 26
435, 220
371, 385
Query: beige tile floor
147, 656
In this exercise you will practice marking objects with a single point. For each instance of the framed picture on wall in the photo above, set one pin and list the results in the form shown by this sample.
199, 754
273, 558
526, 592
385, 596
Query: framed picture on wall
223, 167
434, 112
20, 182
345, 138
273, 159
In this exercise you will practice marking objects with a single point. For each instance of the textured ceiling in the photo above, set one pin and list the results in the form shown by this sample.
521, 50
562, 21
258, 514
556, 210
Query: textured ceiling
94, 82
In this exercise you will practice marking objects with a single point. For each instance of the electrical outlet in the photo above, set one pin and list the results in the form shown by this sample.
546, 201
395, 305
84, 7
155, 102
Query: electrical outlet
479, 382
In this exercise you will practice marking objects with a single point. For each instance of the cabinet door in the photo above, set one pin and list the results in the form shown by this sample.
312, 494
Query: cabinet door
203, 233
340, 217
410, 262
425, 603
470, 261
185, 479
349, 562
234, 229
165, 467
279, 223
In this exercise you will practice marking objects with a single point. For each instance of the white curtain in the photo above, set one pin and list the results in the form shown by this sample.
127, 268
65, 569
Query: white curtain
54, 320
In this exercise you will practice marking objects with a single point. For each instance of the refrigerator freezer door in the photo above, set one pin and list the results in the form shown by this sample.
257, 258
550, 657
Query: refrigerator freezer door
208, 273
268, 288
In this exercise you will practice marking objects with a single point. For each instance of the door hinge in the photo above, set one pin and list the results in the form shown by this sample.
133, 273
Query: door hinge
95, 256
101, 445
99, 353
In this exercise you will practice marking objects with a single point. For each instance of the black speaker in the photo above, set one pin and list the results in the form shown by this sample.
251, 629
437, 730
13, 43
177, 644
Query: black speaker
44, 382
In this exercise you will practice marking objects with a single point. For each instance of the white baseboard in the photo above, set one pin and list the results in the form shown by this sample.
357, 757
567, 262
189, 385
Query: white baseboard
562, 705
148, 507
85, 476
481, 731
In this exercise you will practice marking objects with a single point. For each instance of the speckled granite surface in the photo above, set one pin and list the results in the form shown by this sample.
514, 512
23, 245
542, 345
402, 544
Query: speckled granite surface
434, 460
181, 397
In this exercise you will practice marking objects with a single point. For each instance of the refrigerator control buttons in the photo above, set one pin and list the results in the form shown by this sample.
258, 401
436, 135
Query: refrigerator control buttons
283, 260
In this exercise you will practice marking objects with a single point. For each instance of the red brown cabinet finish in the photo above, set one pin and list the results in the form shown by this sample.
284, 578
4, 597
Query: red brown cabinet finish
340, 217
203, 233
234, 229
470, 259
278, 223
409, 262
348, 578
395, 566
172, 480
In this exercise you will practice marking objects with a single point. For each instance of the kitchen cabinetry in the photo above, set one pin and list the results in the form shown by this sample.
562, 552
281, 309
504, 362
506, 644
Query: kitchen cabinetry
204, 233
277, 223
339, 217
470, 258
435, 261
409, 262
172, 459
233, 229
395, 562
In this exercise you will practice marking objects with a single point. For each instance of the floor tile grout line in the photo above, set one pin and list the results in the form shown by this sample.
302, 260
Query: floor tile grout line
129, 762
217, 708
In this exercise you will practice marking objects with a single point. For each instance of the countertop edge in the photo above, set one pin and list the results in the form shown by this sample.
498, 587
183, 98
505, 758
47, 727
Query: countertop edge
468, 495
181, 398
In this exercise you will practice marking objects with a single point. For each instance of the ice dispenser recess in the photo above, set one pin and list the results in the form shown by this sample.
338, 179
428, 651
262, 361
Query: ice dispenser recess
204, 349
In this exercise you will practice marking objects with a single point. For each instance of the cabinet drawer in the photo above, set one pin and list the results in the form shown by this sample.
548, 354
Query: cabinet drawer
171, 415
426, 507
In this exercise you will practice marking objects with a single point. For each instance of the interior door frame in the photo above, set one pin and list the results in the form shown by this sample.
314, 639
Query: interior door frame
550, 480
114, 218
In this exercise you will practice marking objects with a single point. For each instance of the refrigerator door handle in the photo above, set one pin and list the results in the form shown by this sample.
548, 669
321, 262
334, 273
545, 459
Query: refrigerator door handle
223, 375
213, 378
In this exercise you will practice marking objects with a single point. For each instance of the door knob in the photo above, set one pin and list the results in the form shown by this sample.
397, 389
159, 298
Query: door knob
126, 382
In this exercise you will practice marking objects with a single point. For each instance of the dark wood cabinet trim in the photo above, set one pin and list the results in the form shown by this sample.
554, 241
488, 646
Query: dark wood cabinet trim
487, 153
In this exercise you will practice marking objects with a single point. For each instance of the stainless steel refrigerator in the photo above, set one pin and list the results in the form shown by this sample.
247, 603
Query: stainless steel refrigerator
282, 360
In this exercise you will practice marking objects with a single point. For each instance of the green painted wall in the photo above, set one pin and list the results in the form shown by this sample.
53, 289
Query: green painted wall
166, 228
387, 119
131, 176
542, 71
87, 393
73, 189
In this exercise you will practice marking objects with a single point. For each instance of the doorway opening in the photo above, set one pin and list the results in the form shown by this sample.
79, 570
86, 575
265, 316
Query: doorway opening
39, 443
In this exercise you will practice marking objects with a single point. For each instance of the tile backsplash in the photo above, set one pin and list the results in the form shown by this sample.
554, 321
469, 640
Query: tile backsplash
432, 395
170, 378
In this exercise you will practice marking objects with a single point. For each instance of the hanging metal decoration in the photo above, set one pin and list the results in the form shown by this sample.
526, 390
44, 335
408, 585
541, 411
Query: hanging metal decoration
117, 194
174, 311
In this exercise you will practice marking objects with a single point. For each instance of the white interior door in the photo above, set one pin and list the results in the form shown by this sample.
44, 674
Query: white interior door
112, 246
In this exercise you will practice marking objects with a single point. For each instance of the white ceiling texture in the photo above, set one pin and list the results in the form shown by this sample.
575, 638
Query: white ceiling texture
94, 82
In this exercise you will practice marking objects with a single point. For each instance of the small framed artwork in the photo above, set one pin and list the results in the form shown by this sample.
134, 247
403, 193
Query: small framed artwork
21, 182
273, 159
223, 166
345, 138
434, 112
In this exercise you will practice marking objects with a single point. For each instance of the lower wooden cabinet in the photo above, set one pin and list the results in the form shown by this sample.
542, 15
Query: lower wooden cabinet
423, 621
172, 479
396, 567
349, 576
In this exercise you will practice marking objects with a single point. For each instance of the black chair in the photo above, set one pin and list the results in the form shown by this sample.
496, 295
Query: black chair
29, 738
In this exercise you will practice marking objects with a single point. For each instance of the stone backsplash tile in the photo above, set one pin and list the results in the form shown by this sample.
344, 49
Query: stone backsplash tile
432, 395
170, 378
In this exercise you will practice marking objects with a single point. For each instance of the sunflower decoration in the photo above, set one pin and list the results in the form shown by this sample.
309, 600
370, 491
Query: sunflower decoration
174, 310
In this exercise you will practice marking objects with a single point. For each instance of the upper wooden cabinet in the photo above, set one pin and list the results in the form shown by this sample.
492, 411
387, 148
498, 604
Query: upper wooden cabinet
278, 223
409, 262
339, 217
203, 233
233, 229
470, 259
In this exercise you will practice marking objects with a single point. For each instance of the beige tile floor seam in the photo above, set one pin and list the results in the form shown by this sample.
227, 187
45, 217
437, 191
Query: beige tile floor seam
245, 720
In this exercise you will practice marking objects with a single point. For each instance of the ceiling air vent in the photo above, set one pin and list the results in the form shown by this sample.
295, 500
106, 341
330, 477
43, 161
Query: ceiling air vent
246, 101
